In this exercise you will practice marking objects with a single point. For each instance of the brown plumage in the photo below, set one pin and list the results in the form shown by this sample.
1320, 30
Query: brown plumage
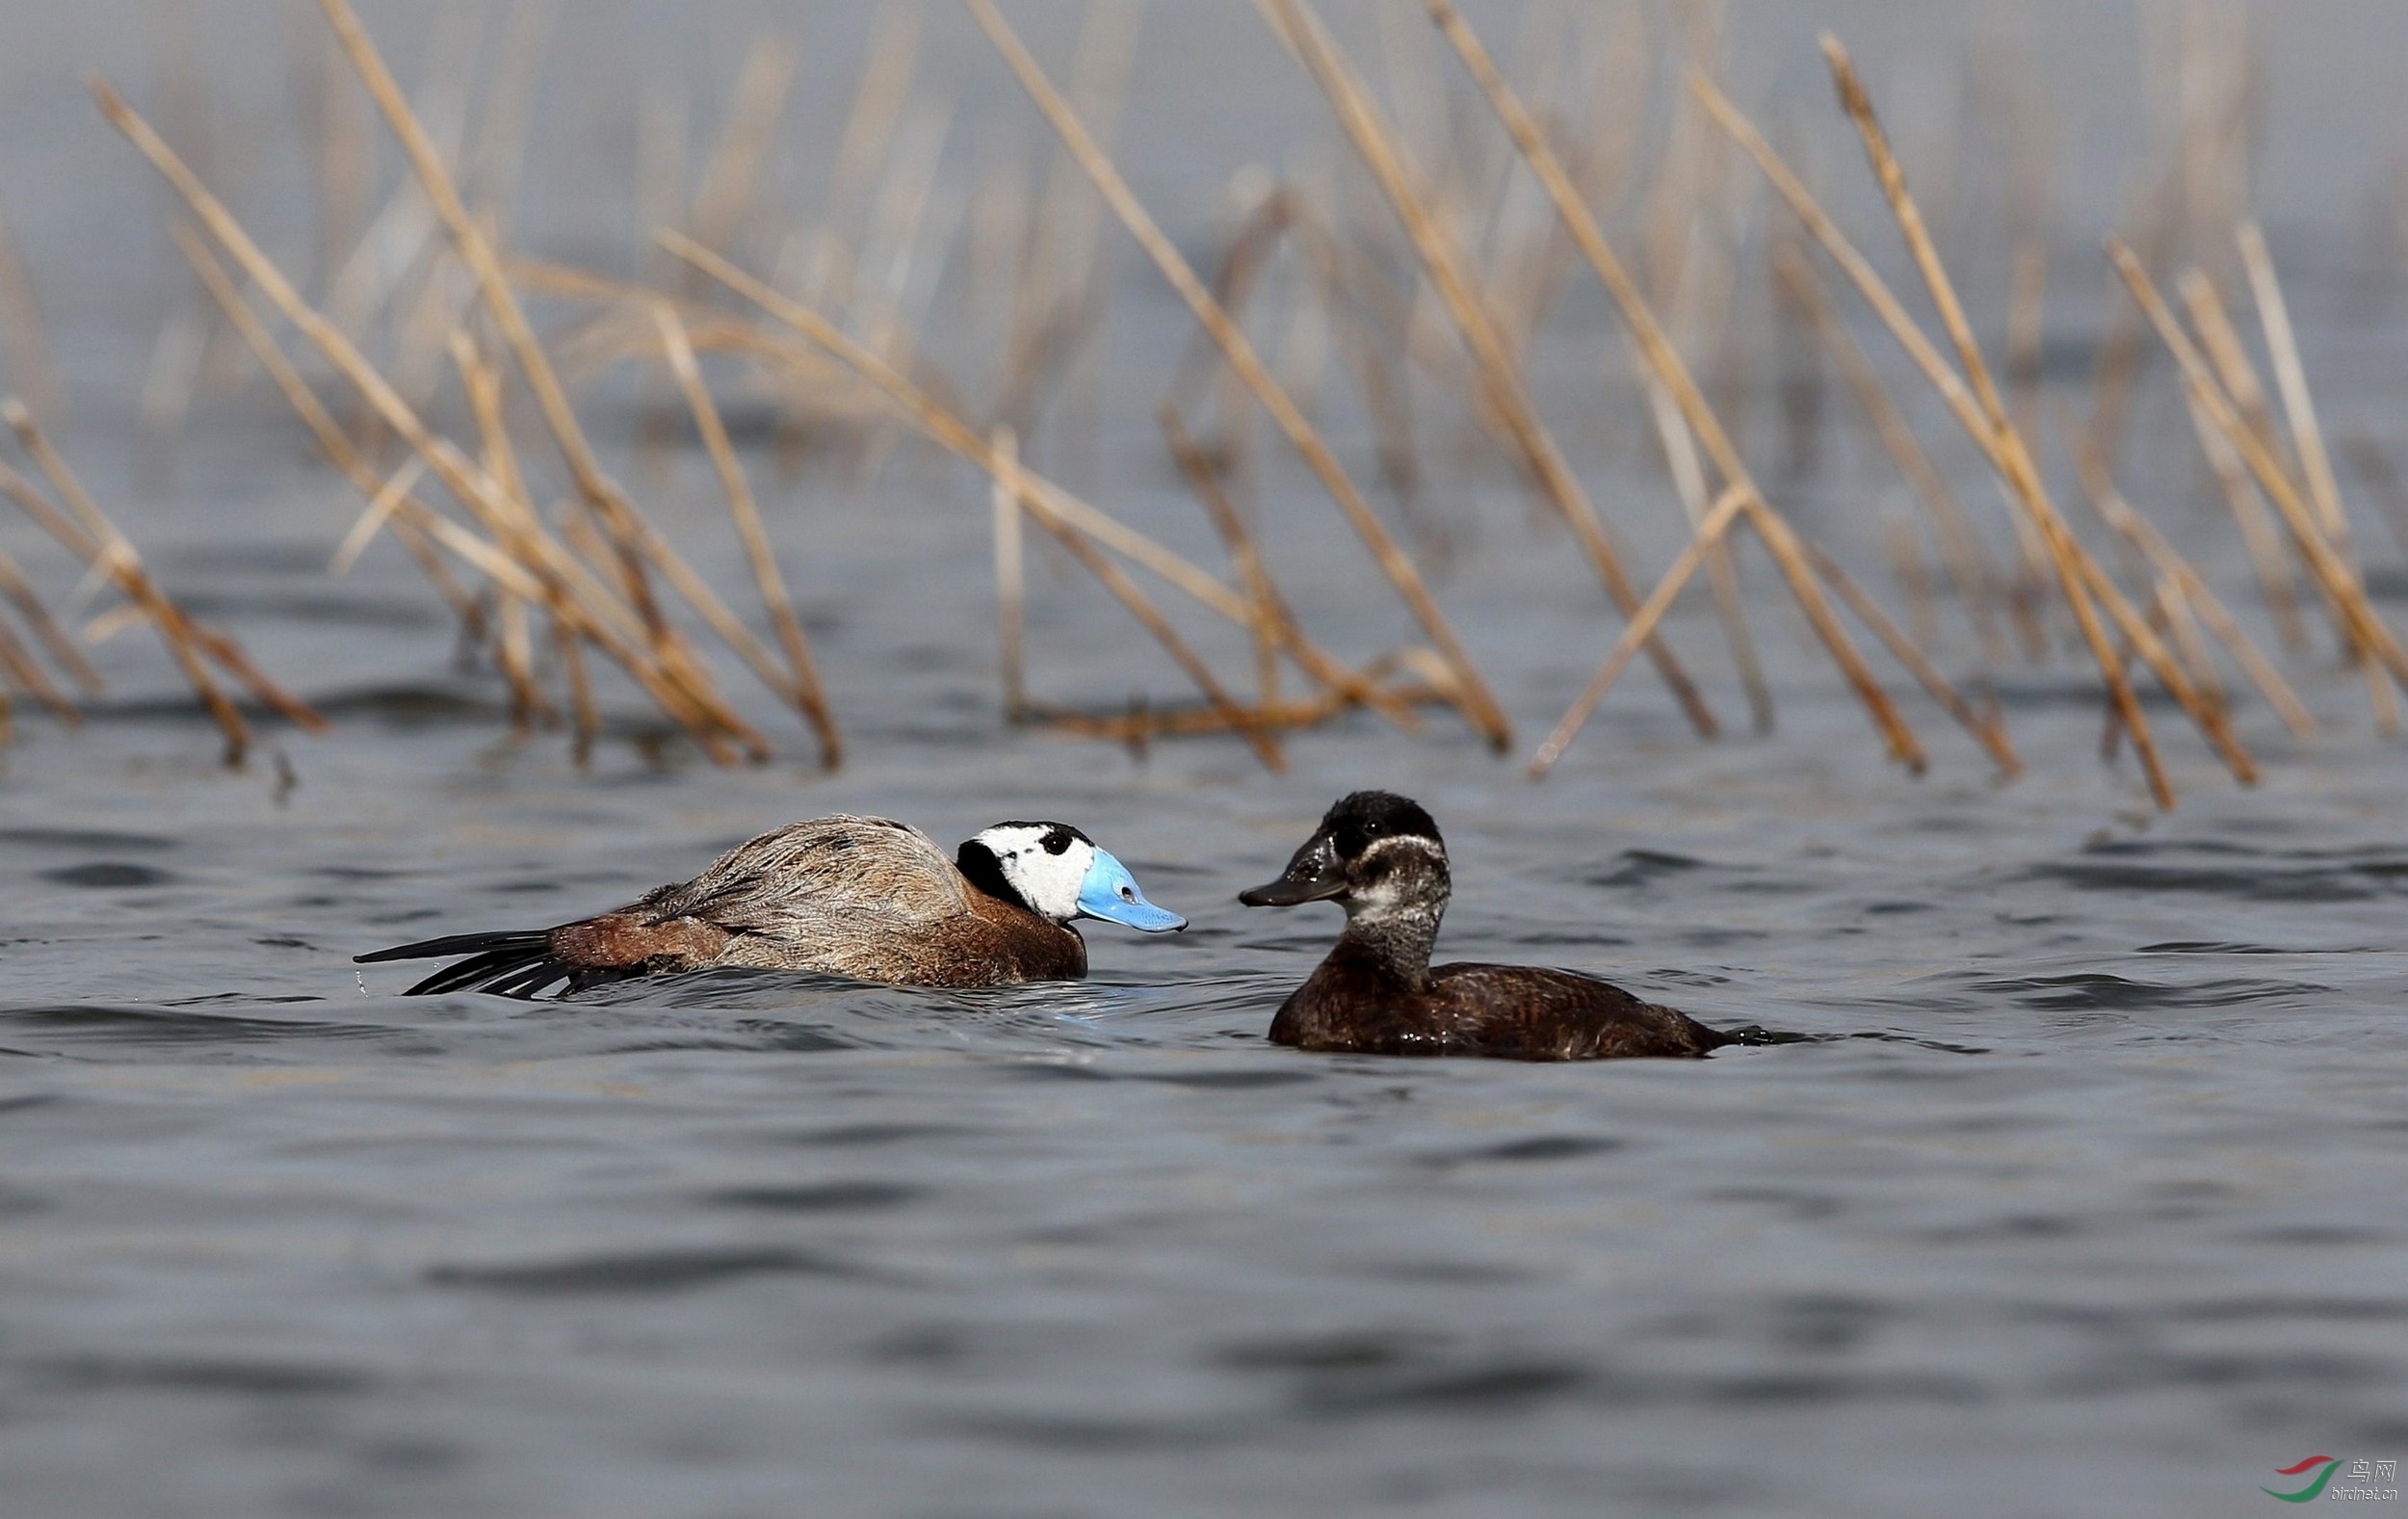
1381, 856
866, 898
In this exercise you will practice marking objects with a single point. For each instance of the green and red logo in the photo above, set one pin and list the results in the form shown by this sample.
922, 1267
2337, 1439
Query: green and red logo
2315, 1489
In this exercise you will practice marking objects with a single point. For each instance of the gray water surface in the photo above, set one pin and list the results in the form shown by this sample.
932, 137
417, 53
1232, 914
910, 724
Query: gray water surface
2074, 1192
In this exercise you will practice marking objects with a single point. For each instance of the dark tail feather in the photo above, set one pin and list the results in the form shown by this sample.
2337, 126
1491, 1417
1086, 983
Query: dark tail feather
514, 964
460, 944
526, 980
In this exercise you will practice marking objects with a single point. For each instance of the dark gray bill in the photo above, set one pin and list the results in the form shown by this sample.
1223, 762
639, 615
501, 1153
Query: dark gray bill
1313, 876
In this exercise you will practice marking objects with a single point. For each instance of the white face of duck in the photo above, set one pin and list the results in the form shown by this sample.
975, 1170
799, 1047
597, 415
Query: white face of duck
1061, 873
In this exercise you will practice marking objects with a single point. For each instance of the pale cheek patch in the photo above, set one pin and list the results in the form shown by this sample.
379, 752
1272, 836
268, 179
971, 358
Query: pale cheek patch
1394, 844
1390, 892
1386, 897
1050, 882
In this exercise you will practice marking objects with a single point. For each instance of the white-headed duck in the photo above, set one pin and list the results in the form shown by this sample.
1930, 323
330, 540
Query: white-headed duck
866, 898
1380, 858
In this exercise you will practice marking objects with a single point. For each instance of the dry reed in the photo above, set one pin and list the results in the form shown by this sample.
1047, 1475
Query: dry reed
1449, 300
1063, 515
87, 532
1481, 708
2222, 346
1011, 579
801, 678
1974, 399
1503, 387
1668, 368
2331, 573
31, 371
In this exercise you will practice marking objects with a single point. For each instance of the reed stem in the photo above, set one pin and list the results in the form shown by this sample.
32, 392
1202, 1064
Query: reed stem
1481, 706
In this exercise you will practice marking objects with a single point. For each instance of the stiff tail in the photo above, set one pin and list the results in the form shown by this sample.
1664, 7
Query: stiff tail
517, 963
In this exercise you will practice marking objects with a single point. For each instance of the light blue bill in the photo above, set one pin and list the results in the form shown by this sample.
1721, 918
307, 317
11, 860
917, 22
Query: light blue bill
1110, 893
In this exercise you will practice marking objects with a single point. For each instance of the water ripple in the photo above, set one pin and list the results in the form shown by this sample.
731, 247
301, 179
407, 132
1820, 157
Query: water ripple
665, 1270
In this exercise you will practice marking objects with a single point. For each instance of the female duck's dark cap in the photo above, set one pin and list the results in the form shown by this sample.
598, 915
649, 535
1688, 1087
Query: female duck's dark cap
1362, 816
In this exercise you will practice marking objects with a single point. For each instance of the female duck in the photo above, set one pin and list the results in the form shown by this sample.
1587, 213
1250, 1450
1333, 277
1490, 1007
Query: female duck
1379, 856
867, 897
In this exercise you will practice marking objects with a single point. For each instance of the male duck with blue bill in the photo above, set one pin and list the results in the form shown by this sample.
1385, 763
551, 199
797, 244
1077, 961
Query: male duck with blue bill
867, 897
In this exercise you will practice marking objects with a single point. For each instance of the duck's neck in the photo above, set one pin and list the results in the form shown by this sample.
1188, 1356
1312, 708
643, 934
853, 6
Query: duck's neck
979, 867
1395, 939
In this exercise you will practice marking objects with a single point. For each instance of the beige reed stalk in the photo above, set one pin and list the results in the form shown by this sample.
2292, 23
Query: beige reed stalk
870, 123
2080, 575
801, 680
2220, 340
1063, 516
122, 566
1725, 511
1276, 628
632, 540
1664, 362
22, 669
1502, 382
19, 670
379, 513
416, 525
513, 649
2222, 344
2315, 465
1480, 705
1689, 484
1058, 300
1141, 607
111, 552
1055, 510
1986, 729
1011, 580
2291, 377
682, 693
950, 431
31, 370
2332, 574
19, 593
1969, 564
2186, 582
502, 306
1913, 575
1204, 480
731, 178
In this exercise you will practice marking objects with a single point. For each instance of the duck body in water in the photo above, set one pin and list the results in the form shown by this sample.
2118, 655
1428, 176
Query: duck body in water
1380, 858
867, 897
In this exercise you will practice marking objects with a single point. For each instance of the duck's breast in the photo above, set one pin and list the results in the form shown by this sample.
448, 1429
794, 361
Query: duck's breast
997, 943
1353, 1005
